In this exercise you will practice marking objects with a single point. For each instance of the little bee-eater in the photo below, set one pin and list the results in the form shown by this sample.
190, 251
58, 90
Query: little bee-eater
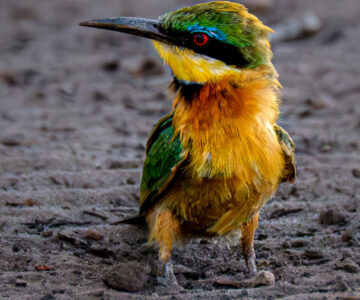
218, 156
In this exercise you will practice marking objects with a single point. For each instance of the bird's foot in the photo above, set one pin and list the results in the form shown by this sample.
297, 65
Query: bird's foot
169, 280
250, 263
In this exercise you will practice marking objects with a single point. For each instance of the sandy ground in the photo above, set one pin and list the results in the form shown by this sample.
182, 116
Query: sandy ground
76, 106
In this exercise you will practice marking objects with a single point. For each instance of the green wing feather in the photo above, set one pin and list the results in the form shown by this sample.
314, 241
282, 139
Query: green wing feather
288, 148
164, 157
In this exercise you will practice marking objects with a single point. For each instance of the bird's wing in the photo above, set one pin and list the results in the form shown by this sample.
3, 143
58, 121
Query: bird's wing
289, 173
164, 157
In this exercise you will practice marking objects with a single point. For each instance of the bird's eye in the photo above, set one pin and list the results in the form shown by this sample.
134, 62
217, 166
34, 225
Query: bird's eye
200, 39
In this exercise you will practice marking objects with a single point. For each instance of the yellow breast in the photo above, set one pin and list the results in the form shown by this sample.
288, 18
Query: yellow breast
235, 158
229, 131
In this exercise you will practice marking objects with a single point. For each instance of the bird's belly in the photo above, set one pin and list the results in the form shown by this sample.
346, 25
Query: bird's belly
200, 204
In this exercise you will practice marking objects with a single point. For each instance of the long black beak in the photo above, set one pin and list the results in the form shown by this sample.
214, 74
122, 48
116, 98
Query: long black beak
146, 28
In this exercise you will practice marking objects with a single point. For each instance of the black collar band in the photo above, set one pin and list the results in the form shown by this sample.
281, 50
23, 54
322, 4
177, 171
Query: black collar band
187, 89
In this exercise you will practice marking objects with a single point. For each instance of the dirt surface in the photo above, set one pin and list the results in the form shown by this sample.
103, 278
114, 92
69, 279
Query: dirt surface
76, 106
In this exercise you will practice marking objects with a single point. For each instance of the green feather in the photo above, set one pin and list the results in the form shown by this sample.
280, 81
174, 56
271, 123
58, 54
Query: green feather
288, 149
164, 153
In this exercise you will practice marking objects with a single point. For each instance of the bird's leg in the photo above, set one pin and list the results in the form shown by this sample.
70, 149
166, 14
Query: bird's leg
247, 243
166, 265
165, 231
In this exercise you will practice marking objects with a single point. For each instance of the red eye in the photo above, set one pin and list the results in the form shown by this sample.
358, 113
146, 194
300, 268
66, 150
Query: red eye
200, 39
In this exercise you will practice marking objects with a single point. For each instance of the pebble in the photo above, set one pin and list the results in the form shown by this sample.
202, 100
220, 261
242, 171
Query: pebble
347, 236
325, 147
331, 216
298, 243
356, 173
313, 254
110, 66
93, 235
12, 140
129, 276
351, 268
20, 283
31, 202
262, 278
347, 265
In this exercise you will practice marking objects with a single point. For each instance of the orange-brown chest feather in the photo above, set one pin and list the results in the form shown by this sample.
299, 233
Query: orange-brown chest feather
229, 131
235, 159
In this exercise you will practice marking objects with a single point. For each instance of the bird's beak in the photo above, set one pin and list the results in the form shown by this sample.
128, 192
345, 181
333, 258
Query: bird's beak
146, 28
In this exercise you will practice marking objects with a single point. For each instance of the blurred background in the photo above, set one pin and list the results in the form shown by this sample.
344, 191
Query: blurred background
76, 107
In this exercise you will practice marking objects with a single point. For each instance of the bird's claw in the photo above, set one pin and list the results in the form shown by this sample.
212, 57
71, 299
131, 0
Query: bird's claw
169, 280
250, 263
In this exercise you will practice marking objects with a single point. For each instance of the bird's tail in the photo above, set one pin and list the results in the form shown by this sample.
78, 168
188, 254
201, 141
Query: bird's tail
135, 220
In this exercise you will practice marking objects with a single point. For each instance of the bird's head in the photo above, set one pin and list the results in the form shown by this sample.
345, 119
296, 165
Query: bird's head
204, 43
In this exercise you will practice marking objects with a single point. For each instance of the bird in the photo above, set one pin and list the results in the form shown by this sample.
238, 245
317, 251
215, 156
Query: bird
218, 156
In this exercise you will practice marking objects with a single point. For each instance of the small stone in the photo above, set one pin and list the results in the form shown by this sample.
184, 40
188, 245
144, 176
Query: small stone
311, 24
331, 216
93, 235
356, 173
20, 283
325, 148
347, 236
313, 254
110, 65
262, 278
12, 140
31, 202
351, 268
298, 243
129, 276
